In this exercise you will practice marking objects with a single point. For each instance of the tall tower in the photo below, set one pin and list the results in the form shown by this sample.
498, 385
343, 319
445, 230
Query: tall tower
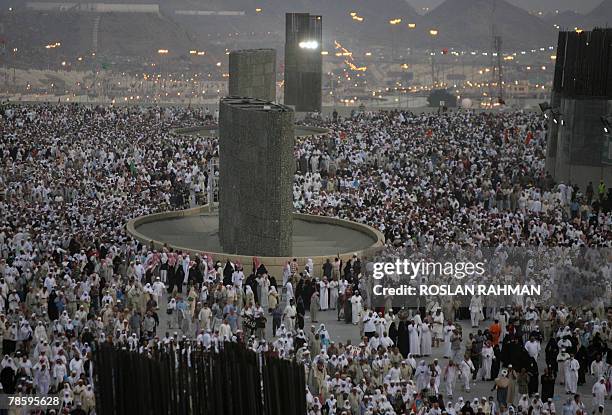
496, 60
256, 165
497, 46
303, 62
581, 97
252, 73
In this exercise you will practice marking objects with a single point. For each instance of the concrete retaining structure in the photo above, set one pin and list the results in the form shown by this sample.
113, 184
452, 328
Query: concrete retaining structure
273, 264
582, 94
553, 131
578, 156
213, 130
252, 73
303, 65
256, 199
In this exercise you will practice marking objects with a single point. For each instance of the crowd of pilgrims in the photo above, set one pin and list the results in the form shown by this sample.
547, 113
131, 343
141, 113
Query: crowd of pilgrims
71, 277
466, 177
70, 176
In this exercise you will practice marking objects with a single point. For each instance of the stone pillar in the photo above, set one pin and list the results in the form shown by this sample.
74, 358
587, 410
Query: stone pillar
256, 140
580, 142
252, 73
552, 135
303, 62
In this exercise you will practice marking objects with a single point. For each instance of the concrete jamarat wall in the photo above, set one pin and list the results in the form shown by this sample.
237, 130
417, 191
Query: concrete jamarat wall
255, 199
580, 142
552, 135
303, 66
273, 264
252, 73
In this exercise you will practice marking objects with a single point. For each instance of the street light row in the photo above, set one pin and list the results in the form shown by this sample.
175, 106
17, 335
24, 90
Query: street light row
395, 22
191, 52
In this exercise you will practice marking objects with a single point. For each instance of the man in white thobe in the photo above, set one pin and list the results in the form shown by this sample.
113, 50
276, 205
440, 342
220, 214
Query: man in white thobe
475, 310
487, 361
599, 393
324, 294
290, 314
415, 340
533, 347
333, 294
356, 307
465, 369
571, 374
598, 367
289, 291
450, 377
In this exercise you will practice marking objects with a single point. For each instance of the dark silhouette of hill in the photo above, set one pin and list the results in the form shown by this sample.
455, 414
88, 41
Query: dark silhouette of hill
600, 16
467, 23
464, 24
565, 19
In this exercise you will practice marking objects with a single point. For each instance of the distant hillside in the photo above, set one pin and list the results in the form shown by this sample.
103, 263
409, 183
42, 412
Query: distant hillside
127, 34
467, 23
119, 34
566, 19
461, 24
601, 15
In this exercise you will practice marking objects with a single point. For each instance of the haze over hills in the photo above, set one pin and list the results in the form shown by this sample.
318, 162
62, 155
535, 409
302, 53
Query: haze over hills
121, 34
467, 23
580, 6
462, 24
565, 19
546, 6
336, 15
601, 15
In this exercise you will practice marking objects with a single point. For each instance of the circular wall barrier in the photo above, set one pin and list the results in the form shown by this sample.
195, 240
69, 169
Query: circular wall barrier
314, 237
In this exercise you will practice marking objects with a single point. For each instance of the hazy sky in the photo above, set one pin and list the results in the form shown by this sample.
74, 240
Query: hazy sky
581, 6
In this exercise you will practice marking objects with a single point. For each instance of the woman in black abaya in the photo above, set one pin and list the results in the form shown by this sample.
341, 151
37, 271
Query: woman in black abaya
496, 365
403, 340
534, 375
551, 352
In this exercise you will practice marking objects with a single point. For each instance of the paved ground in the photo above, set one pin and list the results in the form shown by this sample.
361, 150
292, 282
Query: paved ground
300, 130
341, 332
309, 239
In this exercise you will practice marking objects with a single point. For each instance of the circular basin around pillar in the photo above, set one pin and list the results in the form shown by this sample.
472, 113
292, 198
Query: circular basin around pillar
315, 237
212, 131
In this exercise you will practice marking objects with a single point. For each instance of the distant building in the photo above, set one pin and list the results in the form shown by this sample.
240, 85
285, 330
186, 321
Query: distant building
581, 95
303, 62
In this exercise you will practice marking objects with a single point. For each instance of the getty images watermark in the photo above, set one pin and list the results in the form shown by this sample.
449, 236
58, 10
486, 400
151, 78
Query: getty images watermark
444, 271
501, 276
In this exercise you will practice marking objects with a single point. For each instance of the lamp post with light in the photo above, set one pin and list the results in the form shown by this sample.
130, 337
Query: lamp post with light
411, 27
433, 33
393, 23
50, 47
162, 53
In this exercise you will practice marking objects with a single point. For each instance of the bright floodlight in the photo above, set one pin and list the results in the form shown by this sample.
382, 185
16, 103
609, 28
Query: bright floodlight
544, 106
309, 44
607, 122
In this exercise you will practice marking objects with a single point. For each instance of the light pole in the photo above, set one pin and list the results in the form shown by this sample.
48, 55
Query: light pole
433, 33
411, 26
393, 22
333, 93
49, 47
162, 53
